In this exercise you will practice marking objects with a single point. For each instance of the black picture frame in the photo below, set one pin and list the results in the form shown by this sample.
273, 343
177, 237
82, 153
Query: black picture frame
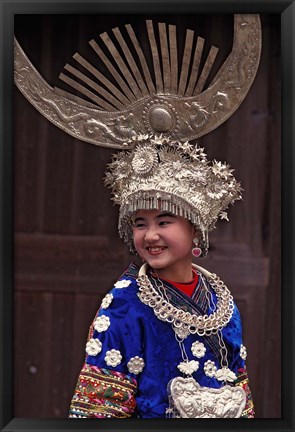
8, 10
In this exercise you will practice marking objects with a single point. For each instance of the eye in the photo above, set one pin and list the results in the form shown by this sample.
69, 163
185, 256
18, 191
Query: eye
139, 225
164, 222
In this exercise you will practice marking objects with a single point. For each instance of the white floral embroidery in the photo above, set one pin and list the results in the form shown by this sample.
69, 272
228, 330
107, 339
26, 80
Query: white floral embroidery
135, 365
113, 357
225, 374
198, 349
188, 367
93, 347
102, 323
243, 352
124, 283
210, 368
106, 301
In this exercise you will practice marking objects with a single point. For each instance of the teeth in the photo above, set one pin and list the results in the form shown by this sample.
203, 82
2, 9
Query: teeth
155, 249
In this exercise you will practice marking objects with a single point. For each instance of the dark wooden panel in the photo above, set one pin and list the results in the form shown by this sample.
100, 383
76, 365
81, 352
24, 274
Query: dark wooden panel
50, 338
67, 251
67, 263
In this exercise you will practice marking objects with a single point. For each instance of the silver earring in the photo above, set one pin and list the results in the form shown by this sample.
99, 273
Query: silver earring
196, 251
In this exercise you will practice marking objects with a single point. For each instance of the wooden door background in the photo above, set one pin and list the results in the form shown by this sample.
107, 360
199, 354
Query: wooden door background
67, 251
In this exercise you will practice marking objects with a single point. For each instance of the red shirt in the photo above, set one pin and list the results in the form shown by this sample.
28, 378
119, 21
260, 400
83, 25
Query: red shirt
187, 287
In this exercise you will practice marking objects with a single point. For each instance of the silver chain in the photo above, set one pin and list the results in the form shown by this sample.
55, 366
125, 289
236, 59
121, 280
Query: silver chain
223, 350
203, 325
210, 304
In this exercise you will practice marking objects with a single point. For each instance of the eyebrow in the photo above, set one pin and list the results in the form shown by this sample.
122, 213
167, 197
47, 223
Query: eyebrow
138, 219
165, 214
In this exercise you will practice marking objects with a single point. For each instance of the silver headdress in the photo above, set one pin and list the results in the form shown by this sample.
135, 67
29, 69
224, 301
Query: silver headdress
152, 120
166, 92
159, 173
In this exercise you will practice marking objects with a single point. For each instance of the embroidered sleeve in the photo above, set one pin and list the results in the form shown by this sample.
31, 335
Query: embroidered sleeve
114, 357
243, 381
115, 339
103, 393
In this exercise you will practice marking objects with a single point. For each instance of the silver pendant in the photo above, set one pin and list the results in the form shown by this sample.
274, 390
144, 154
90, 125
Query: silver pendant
189, 400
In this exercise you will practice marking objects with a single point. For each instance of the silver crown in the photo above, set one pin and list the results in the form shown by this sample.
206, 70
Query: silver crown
158, 173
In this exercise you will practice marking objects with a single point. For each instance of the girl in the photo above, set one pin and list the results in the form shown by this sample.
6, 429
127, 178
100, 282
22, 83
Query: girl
167, 340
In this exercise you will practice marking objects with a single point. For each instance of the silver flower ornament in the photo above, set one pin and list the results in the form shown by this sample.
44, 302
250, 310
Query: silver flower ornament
135, 365
198, 349
144, 160
93, 347
181, 332
106, 301
124, 283
243, 352
102, 323
210, 368
222, 170
113, 357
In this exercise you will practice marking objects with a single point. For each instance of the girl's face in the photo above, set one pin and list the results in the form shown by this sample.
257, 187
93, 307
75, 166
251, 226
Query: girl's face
165, 242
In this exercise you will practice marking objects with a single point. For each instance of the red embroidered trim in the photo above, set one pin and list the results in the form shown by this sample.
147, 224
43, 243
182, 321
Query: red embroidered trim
243, 381
102, 393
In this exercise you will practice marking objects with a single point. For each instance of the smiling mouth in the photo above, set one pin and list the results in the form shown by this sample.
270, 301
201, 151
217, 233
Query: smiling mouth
156, 249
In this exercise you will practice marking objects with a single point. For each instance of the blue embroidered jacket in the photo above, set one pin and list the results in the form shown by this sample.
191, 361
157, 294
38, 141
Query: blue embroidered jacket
126, 329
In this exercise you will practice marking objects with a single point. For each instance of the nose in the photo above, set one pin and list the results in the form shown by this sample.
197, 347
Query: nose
151, 234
